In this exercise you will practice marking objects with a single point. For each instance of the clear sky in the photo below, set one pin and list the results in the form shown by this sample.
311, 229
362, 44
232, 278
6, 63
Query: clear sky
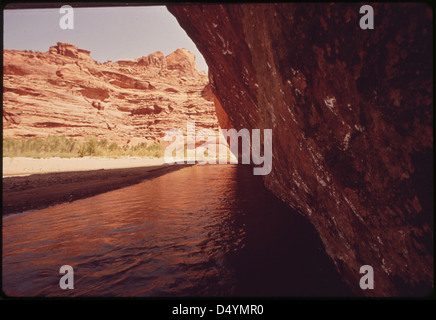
110, 33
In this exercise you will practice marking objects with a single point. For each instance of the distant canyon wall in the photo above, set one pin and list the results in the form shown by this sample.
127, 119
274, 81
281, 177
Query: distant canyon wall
351, 113
65, 92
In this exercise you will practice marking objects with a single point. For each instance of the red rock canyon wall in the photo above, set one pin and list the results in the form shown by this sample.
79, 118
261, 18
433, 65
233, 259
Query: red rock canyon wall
351, 114
130, 101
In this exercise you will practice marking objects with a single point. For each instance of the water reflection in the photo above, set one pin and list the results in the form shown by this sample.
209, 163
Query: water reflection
200, 231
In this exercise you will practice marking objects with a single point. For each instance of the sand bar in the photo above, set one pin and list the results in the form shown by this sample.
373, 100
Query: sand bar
25, 166
59, 181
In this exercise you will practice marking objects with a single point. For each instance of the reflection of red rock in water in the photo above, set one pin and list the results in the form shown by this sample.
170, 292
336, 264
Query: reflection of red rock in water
64, 91
350, 109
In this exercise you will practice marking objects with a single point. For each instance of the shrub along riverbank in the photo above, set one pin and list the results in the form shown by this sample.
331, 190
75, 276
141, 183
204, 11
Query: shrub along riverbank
64, 147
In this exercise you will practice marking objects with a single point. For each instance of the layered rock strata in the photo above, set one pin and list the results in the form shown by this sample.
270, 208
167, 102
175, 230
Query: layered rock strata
65, 92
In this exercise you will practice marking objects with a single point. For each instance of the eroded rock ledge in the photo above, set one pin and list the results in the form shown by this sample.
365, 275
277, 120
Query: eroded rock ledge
351, 113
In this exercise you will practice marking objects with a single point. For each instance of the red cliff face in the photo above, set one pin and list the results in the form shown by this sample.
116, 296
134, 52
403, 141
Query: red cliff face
351, 114
65, 92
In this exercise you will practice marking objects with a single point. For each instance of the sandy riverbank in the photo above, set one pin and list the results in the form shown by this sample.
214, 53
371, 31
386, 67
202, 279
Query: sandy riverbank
46, 182
25, 166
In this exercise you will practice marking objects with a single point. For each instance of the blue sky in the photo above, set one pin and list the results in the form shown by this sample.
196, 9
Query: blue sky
110, 33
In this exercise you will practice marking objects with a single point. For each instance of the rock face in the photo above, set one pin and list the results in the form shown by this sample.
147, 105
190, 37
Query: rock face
351, 114
64, 91
183, 61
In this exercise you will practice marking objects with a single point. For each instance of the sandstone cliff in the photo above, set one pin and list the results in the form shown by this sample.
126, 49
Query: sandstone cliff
64, 91
351, 113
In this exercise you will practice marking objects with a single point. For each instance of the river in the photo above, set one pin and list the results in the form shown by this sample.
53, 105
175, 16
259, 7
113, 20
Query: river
200, 231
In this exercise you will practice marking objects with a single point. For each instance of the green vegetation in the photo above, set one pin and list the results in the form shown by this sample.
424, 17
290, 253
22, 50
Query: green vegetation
61, 146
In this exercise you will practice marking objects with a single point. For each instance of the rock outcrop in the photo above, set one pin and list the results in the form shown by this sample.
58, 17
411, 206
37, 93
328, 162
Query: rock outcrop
351, 114
183, 61
65, 49
64, 91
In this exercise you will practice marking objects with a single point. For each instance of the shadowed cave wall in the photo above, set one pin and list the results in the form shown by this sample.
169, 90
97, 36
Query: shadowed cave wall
352, 120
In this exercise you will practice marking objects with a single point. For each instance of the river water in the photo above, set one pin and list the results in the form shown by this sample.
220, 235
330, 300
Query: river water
200, 231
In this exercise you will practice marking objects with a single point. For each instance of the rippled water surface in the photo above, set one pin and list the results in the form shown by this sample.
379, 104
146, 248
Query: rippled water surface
199, 231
